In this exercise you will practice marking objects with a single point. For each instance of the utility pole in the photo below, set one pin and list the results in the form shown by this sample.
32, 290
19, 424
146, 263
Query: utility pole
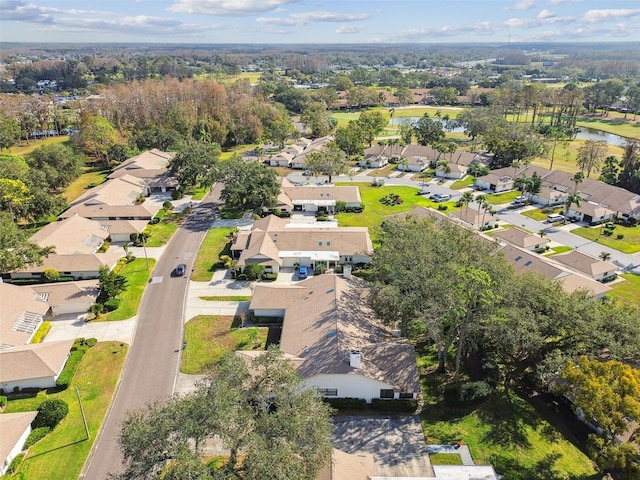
84, 418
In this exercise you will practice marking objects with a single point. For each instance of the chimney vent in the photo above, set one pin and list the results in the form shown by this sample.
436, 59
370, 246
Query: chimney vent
354, 358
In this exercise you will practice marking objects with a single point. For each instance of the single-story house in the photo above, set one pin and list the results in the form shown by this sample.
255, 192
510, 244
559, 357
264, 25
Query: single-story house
15, 428
336, 341
151, 167
452, 171
524, 261
35, 365
275, 242
591, 212
594, 268
317, 198
376, 156
281, 159
104, 213
121, 230
80, 267
479, 219
74, 235
522, 239
68, 297
299, 161
124, 190
418, 157
504, 179
22, 310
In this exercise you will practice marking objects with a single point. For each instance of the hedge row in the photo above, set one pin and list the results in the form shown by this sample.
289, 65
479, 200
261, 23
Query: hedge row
42, 331
347, 403
397, 405
36, 435
73, 362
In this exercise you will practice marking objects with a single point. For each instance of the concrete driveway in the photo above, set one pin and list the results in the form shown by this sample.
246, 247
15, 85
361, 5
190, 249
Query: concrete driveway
396, 442
70, 327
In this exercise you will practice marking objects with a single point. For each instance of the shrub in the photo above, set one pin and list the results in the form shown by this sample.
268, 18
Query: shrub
177, 194
111, 305
154, 220
347, 403
167, 205
397, 405
270, 276
50, 413
341, 206
442, 208
35, 435
458, 394
3, 401
620, 236
41, 332
253, 271
15, 463
91, 342
104, 247
242, 276
64, 380
225, 260
51, 274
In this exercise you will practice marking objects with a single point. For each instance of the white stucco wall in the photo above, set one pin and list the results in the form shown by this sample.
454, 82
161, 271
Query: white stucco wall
349, 385
65, 308
42, 382
15, 451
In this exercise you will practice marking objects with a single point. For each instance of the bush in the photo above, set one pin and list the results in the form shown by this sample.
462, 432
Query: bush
111, 305
64, 380
177, 194
51, 274
104, 247
35, 435
459, 394
253, 271
15, 463
442, 208
620, 236
167, 205
396, 405
269, 276
347, 403
3, 401
90, 342
41, 332
50, 413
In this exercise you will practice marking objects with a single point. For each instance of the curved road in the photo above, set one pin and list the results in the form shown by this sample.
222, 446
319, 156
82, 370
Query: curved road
152, 363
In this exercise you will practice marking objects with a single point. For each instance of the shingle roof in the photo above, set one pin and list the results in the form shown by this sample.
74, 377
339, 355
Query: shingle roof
118, 191
325, 317
520, 238
585, 263
62, 293
13, 426
349, 194
473, 216
73, 235
15, 303
38, 360
116, 211
75, 263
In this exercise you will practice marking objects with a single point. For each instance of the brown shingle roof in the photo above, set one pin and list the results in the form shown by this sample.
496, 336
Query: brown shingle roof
75, 263
584, 263
520, 238
69, 292
38, 360
74, 235
13, 426
16, 301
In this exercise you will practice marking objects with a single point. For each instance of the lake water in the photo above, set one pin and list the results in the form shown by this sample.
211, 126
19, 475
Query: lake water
583, 132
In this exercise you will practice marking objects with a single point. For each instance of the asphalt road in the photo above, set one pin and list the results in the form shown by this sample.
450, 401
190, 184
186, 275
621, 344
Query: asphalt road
153, 360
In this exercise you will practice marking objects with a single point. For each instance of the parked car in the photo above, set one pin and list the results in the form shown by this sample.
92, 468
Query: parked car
180, 269
443, 197
520, 199
303, 272
423, 191
555, 217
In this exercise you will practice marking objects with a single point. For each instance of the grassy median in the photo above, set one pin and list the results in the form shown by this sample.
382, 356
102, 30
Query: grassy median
216, 243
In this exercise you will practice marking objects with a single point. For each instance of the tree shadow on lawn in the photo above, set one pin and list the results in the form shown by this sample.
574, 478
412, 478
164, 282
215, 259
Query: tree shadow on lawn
514, 470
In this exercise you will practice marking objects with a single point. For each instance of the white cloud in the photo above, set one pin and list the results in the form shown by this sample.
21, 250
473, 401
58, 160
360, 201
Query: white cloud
522, 5
544, 14
277, 21
558, 2
596, 16
348, 29
310, 17
228, 7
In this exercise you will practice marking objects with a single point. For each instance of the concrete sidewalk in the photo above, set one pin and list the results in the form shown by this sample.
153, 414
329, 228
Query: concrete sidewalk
72, 327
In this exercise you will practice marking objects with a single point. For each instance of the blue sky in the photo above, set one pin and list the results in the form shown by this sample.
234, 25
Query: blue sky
302, 21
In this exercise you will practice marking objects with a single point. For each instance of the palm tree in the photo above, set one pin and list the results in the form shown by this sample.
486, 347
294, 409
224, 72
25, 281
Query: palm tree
575, 197
605, 256
466, 199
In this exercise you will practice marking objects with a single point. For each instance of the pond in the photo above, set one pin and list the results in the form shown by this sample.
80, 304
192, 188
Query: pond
583, 132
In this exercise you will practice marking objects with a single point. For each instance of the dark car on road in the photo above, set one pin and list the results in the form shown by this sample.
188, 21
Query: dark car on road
180, 269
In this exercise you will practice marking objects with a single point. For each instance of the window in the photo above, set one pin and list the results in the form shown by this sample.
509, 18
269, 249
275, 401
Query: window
518, 258
319, 244
386, 393
528, 263
406, 395
328, 392
328, 244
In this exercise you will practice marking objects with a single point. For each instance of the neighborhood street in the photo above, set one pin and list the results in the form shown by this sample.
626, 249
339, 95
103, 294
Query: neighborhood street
151, 367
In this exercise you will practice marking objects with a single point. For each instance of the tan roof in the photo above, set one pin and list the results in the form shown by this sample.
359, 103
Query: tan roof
473, 216
16, 303
73, 235
150, 160
504, 176
520, 238
415, 153
13, 426
117, 191
62, 293
463, 158
348, 466
325, 317
124, 226
75, 263
349, 194
592, 209
574, 282
38, 360
585, 263
117, 211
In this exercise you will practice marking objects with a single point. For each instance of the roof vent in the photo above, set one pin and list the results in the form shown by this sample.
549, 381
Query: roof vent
354, 358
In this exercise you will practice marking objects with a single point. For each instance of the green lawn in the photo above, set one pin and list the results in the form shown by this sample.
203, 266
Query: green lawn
227, 298
445, 459
26, 148
137, 276
209, 337
464, 183
216, 243
62, 453
628, 290
613, 124
161, 232
198, 193
500, 198
539, 215
629, 244
558, 249
375, 211
86, 180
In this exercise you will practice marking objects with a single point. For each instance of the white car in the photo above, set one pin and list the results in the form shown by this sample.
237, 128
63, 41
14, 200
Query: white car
520, 199
442, 197
555, 217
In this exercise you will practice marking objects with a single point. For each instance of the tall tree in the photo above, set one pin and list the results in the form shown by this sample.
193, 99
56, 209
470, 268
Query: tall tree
575, 196
371, 124
610, 170
317, 118
330, 160
97, 135
271, 426
350, 139
247, 185
16, 251
428, 131
195, 163
60, 164
630, 175
14, 195
590, 155
9, 131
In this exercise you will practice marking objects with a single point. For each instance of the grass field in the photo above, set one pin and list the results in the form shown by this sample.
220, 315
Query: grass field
539, 215
62, 453
628, 290
26, 148
629, 244
501, 198
558, 249
86, 180
214, 244
506, 432
197, 193
137, 276
464, 183
615, 124
209, 337
375, 211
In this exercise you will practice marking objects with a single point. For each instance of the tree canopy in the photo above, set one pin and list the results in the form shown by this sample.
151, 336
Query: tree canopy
329, 160
247, 185
16, 251
195, 163
270, 426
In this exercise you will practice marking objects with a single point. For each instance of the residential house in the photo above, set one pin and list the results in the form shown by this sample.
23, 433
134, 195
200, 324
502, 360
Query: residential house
68, 297
316, 198
22, 311
276, 243
522, 239
15, 428
80, 267
376, 156
594, 268
416, 158
281, 159
74, 235
524, 261
457, 166
504, 179
121, 230
478, 219
35, 365
151, 167
335, 340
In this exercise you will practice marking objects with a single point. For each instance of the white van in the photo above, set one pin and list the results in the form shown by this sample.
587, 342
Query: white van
555, 217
